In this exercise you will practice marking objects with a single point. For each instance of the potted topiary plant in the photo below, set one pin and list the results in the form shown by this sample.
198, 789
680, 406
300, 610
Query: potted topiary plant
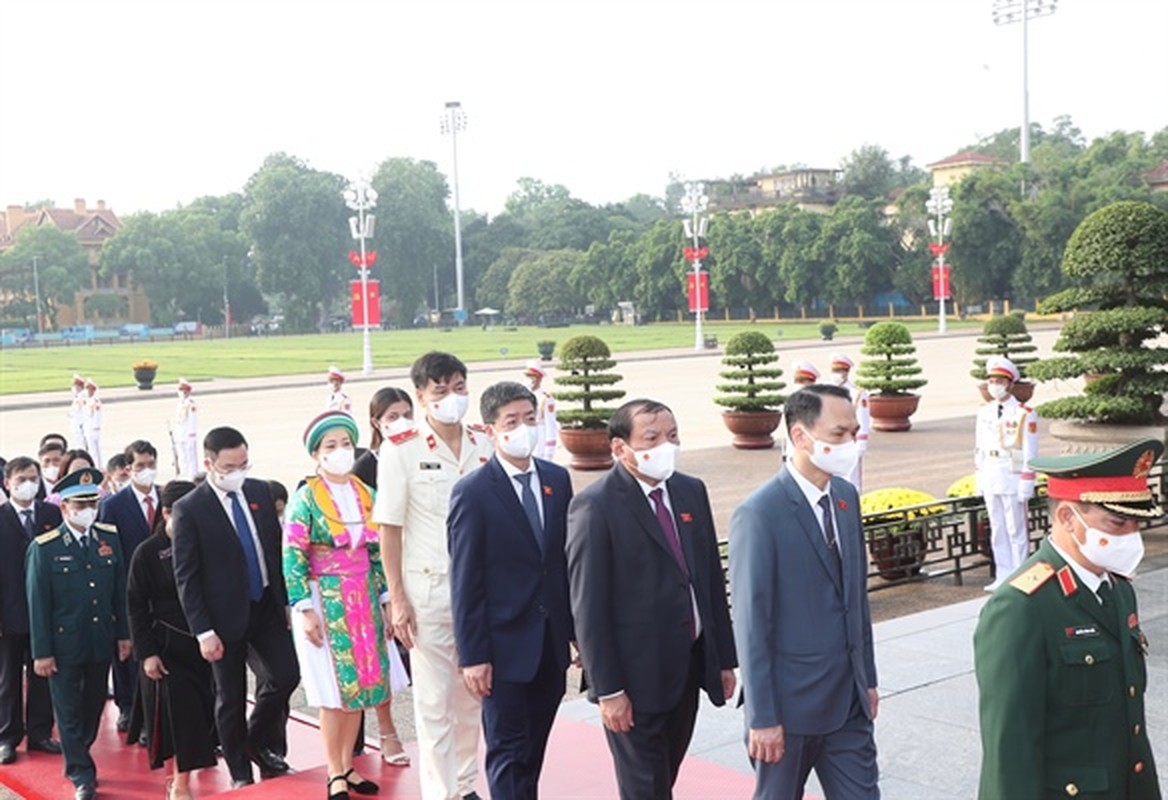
585, 362
546, 348
1005, 336
889, 373
1118, 260
752, 398
827, 330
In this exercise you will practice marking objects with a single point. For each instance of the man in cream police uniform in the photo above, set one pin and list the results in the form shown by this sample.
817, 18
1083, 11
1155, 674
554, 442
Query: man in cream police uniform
1058, 651
1007, 438
415, 474
545, 411
841, 369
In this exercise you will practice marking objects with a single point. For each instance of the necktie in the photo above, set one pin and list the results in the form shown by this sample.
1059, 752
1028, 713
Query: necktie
665, 520
999, 410
829, 528
149, 501
1104, 593
28, 529
529, 506
255, 578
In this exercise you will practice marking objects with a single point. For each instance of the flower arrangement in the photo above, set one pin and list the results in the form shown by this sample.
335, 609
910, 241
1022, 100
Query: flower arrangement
965, 486
145, 363
901, 505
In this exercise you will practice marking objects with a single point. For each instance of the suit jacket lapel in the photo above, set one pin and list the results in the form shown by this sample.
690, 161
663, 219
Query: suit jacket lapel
683, 520
640, 506
514, 507
810, 527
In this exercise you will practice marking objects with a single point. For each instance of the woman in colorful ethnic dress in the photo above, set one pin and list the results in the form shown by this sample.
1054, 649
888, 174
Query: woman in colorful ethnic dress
332, 566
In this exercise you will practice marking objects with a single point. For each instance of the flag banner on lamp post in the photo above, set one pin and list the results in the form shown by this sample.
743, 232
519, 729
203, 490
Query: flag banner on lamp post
699, 295
359, 304
941, 285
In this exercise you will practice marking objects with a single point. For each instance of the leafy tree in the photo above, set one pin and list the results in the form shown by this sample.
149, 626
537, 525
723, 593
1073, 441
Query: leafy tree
987, 241
298, 223
493, 288
736, 261
540, 286
660, 269
802, 270
62, 269
856, 240
912, 276
869, 172
606, 275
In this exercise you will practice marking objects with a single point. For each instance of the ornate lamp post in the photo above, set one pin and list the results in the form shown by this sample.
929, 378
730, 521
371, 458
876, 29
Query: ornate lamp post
694, 203
361, 197
1007, 12
940, 205
454, 121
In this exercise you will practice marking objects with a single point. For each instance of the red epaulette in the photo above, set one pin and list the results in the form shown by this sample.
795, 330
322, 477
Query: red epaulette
1066, 579
404, 436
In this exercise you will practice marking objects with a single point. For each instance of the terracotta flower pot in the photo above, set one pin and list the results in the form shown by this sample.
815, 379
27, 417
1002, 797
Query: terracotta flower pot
891, 412
589, 447
752, 429
898, 555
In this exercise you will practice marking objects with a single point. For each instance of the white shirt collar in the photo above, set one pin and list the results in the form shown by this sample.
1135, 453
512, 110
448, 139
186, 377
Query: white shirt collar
812, 492
513, 471
1085, 576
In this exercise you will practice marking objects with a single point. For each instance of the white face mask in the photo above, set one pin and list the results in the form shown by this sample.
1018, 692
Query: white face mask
451, 408
657, 462
83, 518
25, 492
834, 459
339, 461
231, 481
997, 390
1118, 554
839, 378
144, 477
399, 425
519, 442
51, 472
121, 484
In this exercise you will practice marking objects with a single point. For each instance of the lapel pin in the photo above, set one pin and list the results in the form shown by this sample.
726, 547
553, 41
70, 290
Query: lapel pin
547, 490
254, 506
842, 505
685, 516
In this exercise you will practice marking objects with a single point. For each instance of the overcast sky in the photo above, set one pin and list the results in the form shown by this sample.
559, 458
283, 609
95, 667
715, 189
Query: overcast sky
151, 104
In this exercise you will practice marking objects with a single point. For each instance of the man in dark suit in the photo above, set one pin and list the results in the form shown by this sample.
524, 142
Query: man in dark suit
76, 588
798, 580
132, 511
509, 590
230, 581
22, 519
649, 600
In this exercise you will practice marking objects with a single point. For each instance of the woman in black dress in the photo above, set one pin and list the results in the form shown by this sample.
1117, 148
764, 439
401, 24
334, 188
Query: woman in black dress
176, 687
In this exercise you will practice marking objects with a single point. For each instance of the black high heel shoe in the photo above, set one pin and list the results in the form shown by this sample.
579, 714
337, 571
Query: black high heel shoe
343, 794
363, 786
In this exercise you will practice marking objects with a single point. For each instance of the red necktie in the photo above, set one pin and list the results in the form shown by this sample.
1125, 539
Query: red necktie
150, 511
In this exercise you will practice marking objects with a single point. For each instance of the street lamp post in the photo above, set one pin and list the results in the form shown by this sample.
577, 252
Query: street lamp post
361, 197
36, 288
694, 203
453, 121
940, 205
1007, 12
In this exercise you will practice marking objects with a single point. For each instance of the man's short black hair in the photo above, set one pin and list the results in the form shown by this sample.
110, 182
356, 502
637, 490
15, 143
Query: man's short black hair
20, 464
51, 446
805, 405
116, 461
279, 491
500, 394
620, 424
224, 438
54, 437
139, 447
435, 366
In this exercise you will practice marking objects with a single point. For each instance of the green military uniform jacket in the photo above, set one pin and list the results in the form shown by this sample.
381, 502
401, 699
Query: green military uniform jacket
76, 595
1061, 683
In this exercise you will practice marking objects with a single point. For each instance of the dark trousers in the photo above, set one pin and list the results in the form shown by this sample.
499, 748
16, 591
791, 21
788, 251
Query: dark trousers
648, 757
125, 675
517, 719
267, 650
78, 692
844, 761
15, 659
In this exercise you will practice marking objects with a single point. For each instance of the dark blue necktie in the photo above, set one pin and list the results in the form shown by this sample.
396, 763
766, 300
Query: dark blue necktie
28, 526
255, 578
529, 507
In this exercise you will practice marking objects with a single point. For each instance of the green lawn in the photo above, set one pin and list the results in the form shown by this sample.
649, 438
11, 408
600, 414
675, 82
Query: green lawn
50, 368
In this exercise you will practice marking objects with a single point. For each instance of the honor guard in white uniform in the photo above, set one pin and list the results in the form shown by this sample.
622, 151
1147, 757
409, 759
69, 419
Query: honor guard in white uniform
76, 413
337, 399
91, 422
841, 369
186, 431
1007, 439
415, 473
545, 413
805, 373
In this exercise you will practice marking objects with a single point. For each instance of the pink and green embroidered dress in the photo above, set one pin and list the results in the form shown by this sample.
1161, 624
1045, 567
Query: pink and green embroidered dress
332, 563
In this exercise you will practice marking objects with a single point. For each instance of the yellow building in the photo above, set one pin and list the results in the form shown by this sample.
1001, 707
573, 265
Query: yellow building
949, 171
809, 189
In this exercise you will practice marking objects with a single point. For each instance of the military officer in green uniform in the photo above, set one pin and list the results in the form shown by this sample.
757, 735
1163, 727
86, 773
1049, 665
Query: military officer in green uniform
1058, 650
77, 611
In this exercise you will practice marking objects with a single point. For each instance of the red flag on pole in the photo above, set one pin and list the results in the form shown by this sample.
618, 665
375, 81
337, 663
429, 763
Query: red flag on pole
941, 287
699, 300
359, 303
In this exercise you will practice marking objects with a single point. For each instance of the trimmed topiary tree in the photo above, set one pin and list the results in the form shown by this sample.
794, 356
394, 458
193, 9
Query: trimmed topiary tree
890, 367
754, 386
1118, 257
585, 362
1004, 336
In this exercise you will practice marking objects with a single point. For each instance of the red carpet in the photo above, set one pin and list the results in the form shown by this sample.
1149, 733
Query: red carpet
578, 767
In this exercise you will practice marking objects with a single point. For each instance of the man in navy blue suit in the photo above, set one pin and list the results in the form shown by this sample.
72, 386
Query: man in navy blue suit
132, 511
509, 590
798, 580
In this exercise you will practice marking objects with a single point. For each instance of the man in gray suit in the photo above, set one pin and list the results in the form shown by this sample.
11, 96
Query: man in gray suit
798, 583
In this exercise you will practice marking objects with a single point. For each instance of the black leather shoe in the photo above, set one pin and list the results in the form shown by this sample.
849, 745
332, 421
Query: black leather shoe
270, 764
239, 783
85, 791
123, 721
7, 754
471, 796
45, 746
